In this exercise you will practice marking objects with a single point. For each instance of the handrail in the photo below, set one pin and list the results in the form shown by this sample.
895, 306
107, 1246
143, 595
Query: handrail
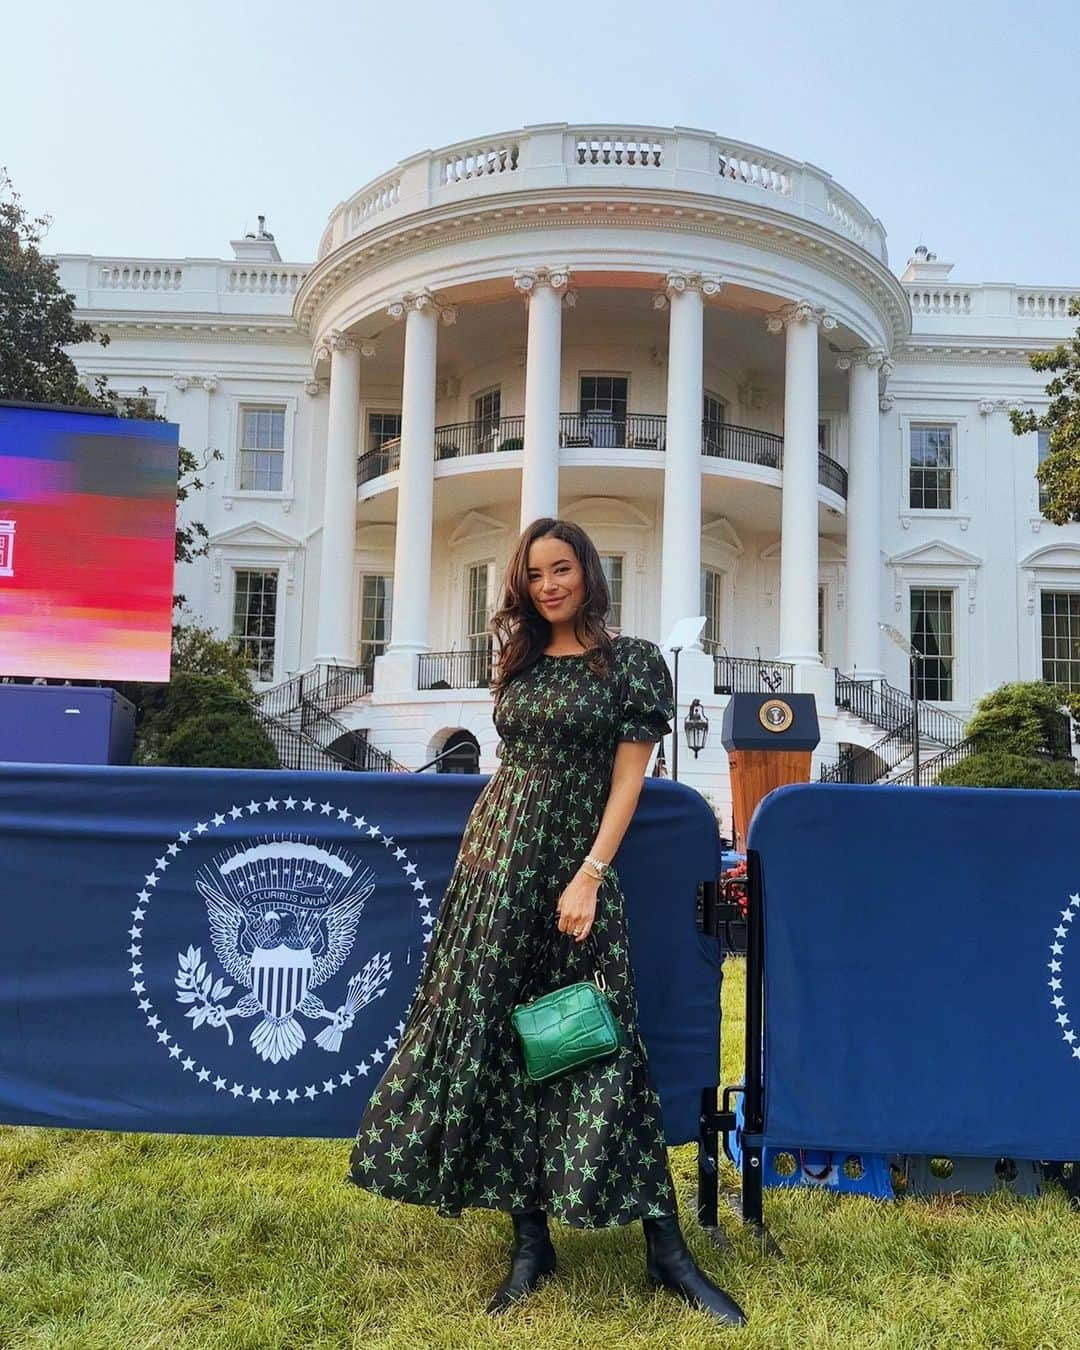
455, 670
870, 763
598, 430
930, 768
878, 702
749, 675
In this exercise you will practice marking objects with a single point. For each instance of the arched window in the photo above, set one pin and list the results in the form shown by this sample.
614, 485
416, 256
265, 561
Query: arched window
465, 756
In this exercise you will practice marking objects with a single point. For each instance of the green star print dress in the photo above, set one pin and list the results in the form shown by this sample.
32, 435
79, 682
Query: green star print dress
455, 1121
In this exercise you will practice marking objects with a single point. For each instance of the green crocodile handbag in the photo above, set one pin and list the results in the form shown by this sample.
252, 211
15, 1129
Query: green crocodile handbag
565, 1029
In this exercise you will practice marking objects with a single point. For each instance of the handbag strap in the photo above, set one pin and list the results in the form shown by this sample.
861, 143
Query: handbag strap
594, 950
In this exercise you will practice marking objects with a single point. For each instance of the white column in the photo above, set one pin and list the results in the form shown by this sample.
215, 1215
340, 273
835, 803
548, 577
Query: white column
799, 503
864, 512
396, 668
335, 642
680, 568
545, 289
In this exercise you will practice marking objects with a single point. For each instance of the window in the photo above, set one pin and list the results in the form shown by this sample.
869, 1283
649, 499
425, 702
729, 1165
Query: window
821, 621
262, 449
376, 601
713, 413
931, 472
603, 403
1061, 638
1043, 451
823, 436
382, 427
478, 579
255, 620
486, 411
612, 565
711, 601
932, 635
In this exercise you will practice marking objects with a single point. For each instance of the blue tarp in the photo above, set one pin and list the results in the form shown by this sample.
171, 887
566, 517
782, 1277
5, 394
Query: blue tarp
152, 917
922, 970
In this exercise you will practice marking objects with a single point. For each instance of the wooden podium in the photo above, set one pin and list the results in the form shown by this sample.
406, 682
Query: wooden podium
769, 739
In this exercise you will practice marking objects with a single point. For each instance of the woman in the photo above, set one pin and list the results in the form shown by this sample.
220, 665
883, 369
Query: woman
455, 1120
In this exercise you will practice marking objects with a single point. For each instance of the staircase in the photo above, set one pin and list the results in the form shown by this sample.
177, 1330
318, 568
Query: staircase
298, 716
941, 735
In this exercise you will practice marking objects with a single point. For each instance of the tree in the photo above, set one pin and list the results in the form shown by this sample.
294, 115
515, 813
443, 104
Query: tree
1059, 473
1022, 740
38, 315
37, 321
205, 721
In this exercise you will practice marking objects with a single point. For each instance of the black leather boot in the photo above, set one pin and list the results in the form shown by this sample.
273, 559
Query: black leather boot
532, 1260
668, 1262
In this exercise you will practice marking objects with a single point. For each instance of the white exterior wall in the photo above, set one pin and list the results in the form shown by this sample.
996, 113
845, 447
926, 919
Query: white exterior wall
207, 336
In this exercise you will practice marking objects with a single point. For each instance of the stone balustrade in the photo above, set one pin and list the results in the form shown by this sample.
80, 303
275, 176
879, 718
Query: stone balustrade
558, 155
186, 285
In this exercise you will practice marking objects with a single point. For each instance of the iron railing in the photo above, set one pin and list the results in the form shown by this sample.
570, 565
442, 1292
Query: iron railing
749, 675
878, 702
831, 475
629, 431
930, 768
331, 687
747, 445
455, 670
870, 764
479, 438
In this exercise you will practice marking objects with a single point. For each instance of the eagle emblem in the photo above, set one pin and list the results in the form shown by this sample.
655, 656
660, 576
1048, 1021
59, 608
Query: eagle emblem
283, 917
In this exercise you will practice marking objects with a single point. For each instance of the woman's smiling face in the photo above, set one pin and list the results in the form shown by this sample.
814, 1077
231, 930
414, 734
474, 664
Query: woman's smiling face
556, 579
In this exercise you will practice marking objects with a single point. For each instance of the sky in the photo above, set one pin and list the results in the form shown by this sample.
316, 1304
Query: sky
164, 130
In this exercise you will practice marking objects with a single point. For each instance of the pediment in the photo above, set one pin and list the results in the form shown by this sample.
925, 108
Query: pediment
606, 511
476, 523
1054, 555
721, 532
829, 551
253, 534
936, 553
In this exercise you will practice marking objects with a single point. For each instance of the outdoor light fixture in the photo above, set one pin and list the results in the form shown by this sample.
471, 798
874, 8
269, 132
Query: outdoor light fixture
696, 727
914, 656
684, 634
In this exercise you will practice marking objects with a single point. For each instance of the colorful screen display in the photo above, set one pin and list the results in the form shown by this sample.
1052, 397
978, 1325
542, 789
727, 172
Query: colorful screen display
87, 531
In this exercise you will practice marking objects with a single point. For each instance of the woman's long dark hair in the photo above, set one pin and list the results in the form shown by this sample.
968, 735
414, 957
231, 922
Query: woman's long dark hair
521, 630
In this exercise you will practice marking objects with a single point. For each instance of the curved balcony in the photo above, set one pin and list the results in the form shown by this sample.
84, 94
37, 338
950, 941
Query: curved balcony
633, 431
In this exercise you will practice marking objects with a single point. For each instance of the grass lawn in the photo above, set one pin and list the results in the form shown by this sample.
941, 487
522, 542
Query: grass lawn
125, 1242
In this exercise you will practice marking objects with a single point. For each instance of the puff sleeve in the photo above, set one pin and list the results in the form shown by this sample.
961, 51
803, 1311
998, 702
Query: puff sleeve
647, 702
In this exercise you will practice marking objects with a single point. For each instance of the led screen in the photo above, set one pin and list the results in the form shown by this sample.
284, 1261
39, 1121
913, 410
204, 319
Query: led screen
87, 530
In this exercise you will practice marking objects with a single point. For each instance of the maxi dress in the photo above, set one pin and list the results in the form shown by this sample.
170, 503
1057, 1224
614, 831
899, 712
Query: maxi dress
455, 1122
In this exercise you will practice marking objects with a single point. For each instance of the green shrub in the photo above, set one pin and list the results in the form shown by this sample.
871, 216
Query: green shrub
1002, 769
1021, 719
513, 443
205, 721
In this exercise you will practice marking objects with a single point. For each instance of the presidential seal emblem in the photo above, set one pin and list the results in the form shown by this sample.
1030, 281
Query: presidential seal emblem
278, 971
775, 715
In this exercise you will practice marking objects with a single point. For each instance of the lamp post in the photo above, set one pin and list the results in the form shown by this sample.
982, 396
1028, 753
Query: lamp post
685, 633
914, 656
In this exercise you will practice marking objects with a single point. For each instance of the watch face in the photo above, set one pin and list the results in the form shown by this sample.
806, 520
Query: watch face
776, 715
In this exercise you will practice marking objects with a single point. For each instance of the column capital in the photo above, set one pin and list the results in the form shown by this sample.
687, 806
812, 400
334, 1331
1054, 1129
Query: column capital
678, 283
800, 311
181, 382
422, 302
337, 341
529, 279
877, 358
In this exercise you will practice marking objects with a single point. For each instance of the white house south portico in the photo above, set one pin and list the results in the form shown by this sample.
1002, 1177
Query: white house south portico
693, 347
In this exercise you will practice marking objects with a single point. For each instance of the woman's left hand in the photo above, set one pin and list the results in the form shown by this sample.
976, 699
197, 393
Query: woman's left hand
577, 906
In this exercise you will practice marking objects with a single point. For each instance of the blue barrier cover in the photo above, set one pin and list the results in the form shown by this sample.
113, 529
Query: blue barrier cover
922, 973
152, 917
